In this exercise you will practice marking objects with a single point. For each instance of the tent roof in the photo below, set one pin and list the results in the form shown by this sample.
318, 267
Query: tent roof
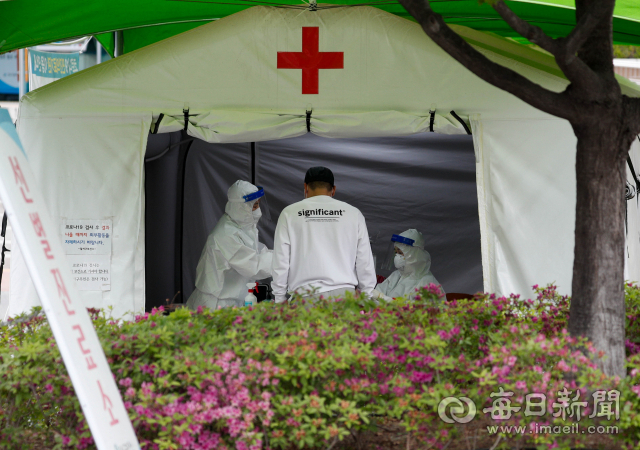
406, 78
29, 23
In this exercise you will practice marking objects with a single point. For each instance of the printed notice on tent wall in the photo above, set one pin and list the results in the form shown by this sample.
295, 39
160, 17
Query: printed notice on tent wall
87, 244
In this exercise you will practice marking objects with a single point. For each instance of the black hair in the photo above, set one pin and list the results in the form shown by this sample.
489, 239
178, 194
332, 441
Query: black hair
314, 185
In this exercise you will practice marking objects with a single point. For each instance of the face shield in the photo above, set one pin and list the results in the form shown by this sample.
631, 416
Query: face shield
396, 239
257, 201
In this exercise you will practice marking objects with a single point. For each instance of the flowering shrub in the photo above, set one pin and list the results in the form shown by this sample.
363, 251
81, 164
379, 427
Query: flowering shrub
276, 376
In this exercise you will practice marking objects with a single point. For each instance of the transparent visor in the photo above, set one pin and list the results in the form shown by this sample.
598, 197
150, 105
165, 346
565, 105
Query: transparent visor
258, 202
392, 250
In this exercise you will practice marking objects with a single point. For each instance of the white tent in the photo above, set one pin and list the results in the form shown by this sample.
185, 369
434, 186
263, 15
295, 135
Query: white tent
376, 75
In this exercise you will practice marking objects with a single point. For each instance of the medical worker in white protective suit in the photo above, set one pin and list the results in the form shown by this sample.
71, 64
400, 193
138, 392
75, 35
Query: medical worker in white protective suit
233, 256
412, 263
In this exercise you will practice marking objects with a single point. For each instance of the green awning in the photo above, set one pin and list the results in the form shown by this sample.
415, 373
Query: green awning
25, 23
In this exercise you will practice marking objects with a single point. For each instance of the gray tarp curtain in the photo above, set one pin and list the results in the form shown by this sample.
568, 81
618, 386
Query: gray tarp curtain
424, 181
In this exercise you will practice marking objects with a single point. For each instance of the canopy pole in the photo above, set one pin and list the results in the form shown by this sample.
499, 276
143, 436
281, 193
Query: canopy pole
119, 44
98, 51
253, 163
21, 86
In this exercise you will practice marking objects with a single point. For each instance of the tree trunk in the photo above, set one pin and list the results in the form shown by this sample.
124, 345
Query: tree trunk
605, 123
597, 306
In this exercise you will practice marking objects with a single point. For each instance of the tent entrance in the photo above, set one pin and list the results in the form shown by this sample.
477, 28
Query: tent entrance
424, 181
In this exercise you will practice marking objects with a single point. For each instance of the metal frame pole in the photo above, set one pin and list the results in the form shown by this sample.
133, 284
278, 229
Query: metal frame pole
119, 44
98, 51
21, 86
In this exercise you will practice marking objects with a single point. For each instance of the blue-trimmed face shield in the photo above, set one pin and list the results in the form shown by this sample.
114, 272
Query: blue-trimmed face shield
393, 249
258, 203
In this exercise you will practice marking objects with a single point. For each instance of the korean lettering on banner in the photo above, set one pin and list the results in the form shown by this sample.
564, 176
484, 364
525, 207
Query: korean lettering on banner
54, 65
87, 244
78, 342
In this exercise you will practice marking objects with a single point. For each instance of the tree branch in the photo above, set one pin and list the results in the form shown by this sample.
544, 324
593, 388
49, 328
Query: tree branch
499, 76
525, 29
584, 27
563, 49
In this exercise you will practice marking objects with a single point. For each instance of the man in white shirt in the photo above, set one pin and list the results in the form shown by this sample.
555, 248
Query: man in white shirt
321, 244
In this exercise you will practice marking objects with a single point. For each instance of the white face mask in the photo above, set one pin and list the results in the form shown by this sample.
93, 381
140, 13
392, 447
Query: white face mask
256, 215
399, 261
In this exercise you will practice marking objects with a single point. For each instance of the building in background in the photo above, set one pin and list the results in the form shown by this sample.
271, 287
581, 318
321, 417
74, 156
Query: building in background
628, 68
9, 76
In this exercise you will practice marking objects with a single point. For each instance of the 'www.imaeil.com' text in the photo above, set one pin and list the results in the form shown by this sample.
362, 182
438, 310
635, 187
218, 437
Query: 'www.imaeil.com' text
535, 428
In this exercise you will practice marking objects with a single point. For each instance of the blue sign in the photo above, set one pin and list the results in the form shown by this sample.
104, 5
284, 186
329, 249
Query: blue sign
54, 65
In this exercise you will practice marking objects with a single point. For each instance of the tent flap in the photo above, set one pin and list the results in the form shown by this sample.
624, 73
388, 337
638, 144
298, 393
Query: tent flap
526, 202
383, 123
236, 126
239, 126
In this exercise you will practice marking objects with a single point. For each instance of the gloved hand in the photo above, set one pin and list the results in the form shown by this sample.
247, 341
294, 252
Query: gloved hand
377, 295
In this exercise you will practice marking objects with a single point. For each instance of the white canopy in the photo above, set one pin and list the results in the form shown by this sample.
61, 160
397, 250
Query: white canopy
86, 135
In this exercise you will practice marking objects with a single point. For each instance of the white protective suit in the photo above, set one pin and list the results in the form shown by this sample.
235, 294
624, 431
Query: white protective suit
232, 256
416, 272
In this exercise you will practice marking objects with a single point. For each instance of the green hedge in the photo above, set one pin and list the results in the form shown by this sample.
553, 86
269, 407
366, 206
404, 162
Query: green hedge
274, 376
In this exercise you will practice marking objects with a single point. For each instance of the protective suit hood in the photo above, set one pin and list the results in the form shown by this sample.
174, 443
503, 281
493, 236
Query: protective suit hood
239, 210
416, 272
418, 260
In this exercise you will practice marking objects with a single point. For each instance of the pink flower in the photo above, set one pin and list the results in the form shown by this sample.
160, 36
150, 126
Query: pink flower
421, 377
48, 388
444, 335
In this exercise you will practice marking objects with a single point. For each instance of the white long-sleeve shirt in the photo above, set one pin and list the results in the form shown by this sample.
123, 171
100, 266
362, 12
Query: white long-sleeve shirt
321, 243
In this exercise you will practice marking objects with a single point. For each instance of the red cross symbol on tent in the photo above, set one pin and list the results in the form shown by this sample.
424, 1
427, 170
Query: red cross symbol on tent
310, 60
